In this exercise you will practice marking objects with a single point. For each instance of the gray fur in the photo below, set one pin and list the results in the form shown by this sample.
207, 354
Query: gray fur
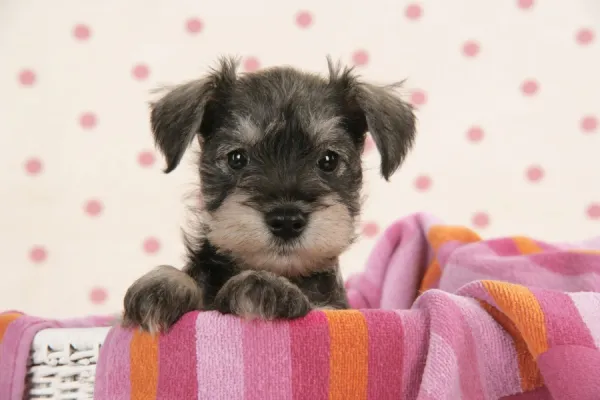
262, 294
285, 120
159, 298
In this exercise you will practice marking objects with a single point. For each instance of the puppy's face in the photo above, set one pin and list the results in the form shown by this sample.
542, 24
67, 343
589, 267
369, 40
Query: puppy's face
280, 164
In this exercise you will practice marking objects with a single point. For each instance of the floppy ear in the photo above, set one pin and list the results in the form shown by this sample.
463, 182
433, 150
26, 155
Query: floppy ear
379, 110
189, 109
391, 123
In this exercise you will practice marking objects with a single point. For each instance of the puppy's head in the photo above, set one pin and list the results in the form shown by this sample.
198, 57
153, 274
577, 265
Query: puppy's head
280, 164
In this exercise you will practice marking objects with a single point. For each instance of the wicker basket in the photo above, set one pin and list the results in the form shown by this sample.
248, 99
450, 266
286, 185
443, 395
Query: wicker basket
62, 364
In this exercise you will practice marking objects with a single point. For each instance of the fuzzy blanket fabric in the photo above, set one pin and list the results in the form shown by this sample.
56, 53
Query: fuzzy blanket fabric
443, 315
440, 314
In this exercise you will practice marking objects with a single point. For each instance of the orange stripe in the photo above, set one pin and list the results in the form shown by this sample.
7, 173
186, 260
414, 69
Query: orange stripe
521, 306
530, 375
440, 234
144, 366
432, 274
5, 321
526, 245
437, 236
349, 358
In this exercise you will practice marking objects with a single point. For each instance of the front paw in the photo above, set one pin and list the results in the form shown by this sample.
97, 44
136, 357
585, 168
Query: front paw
261, 294
158, 299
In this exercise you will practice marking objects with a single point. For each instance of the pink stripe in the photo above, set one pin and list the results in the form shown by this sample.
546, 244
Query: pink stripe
89, 322
309, 338
267, 360
177, 361
448, 321
415, 345
506, 247
410, 248
567, 263
588, 305
426, 396
368, 284
495, 351
385, 354
570, 372
361, 294
220, 356
562, 271
548, 247
519, 271
562, 262
113, 370
477, 291
564, 325
401, 243
446, 250
440, 377
503, 247
16, 346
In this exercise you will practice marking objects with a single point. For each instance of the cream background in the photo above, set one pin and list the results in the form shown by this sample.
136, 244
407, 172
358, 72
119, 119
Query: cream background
58, 260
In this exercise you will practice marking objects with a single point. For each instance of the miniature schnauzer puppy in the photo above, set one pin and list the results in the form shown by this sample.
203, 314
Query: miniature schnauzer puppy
280, 172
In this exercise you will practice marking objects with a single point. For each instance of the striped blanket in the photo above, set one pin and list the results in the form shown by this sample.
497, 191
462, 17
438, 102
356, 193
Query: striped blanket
507, 318
440, 314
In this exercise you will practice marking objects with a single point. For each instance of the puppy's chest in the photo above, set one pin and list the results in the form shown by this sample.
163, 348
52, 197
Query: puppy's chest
320, 288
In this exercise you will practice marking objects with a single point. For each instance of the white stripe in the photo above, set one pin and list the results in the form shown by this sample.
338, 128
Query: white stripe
441, 377
496, 353
588, 305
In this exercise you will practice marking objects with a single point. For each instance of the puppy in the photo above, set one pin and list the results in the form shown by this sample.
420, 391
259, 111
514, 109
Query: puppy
280, 171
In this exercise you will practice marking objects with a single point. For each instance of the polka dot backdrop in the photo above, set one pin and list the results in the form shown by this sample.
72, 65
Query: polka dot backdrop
507, 96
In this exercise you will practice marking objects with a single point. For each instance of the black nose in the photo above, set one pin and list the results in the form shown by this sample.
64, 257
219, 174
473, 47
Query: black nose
286, 222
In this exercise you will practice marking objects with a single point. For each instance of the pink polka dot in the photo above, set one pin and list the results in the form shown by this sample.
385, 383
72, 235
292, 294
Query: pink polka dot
194, 25
584, 36
81, 32
38, 254
93, 208
480, 220
251, 64
27, 77
370, 229
589, 124
475, 134
146, 159
98, 295
423, 183
140, 72
304, 19
470, 49
87, 120
33, 166
593, 211
360, 57
369, 144
529, 87
151, 245
418, 97
525, 4
413, 11
534, 173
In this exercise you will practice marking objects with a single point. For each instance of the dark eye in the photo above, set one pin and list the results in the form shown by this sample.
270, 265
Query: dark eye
237, 159
329, 162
